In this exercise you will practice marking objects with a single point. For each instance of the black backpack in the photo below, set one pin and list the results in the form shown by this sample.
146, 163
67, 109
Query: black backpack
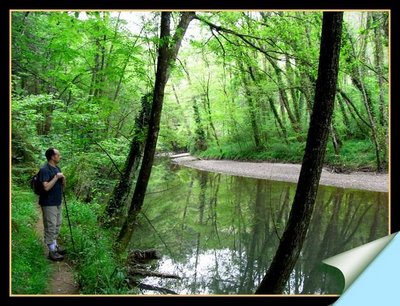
37, 186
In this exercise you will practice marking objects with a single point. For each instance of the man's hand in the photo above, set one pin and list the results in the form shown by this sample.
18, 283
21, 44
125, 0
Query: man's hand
50, 184
60, 175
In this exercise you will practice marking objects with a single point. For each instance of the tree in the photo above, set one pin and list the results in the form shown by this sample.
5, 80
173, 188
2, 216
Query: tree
120, 194
166, 57
378, 55
357, 72
303, 204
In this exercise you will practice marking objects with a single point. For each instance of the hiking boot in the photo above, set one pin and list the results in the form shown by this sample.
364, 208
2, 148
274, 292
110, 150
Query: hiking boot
53, 255
60, 250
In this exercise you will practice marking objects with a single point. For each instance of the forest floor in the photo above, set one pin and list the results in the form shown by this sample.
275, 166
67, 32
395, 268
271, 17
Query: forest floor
286, 172
61, 281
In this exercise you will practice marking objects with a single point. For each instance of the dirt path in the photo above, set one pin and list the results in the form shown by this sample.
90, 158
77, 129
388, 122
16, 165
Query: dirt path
61, 281
285, 172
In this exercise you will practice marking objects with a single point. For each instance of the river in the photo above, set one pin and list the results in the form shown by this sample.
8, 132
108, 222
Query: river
220, 232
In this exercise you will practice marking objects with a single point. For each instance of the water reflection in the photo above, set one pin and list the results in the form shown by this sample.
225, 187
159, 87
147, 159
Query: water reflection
220, 232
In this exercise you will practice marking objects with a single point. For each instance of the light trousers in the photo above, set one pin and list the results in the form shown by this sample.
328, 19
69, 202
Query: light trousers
52, 222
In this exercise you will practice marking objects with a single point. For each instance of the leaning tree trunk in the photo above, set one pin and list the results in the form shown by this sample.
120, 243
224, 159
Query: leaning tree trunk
120, 194
166, 56
278, 119
295, 232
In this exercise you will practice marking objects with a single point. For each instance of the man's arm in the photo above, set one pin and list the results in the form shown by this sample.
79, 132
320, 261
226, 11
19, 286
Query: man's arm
48, 185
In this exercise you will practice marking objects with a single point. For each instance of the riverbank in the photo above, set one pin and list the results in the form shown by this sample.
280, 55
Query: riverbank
286, 172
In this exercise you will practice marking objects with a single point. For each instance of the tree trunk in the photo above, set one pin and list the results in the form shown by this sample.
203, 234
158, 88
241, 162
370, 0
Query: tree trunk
200, 140
285, 100
48, 119
278, 119
303, 204
95, 70
336, 142
366, 97
378, 52
356, 112
356, 78
252, 110
185, 120
166, 56
346, 119
255, 104
100, 79
117, 202
207, 108
110, 51
291, 77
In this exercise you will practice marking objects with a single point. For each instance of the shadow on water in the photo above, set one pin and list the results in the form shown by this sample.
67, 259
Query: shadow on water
220, 232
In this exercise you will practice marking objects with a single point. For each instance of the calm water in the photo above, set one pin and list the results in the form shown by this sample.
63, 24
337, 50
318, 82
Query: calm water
220, 232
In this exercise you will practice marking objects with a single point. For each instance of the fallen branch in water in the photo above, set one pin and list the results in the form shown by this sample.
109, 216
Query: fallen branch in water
137, 265
144, 272
151, 287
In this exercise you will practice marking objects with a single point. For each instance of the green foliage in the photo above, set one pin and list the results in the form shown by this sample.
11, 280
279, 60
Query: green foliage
92, 175
77, 81
98, 70
81, 175
99, 269
29, 266
28, 118
354, 154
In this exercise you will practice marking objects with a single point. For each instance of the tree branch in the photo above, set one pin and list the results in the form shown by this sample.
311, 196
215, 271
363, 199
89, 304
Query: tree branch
348, 101
108, 157
244, 37
222, 47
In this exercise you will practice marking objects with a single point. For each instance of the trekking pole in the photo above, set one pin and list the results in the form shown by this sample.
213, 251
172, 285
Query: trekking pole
69, 222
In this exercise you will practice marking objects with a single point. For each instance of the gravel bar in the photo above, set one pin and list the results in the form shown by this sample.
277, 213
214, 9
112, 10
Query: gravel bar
286, 172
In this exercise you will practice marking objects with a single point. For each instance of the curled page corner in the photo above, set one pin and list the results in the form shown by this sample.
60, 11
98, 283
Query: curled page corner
353, 262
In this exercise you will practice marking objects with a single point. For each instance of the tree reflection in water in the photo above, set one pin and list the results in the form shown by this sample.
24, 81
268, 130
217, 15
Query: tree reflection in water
222, 231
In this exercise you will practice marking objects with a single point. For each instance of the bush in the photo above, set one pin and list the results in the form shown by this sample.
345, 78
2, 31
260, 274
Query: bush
358, 153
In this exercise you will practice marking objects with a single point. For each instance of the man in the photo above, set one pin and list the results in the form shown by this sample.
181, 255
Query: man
53, 182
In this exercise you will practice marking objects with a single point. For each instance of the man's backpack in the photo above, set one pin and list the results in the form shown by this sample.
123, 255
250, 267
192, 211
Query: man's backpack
37, 185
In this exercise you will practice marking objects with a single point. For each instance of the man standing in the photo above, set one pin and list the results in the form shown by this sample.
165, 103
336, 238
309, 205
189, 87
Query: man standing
53, 182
